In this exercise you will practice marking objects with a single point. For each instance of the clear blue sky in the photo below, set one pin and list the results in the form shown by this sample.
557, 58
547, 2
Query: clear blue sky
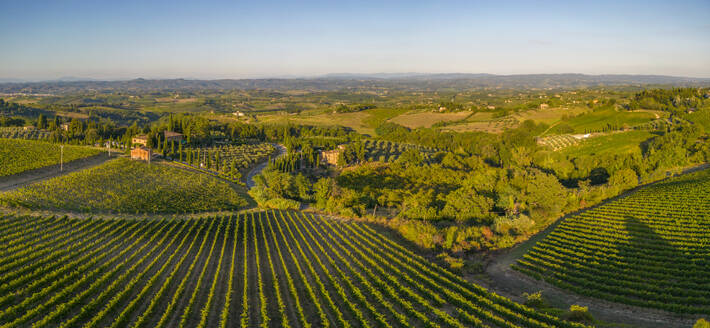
238, 39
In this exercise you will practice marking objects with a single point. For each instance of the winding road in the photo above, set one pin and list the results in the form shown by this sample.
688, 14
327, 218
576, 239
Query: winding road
281, 151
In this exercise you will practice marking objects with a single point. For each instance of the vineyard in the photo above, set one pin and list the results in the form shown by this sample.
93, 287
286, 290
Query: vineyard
125, 186
649, 249
228, 161
21, 155
264, 269
387, 151
559, 141
22, 133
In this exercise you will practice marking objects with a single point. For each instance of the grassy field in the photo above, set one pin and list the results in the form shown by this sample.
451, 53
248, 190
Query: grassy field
263, 269
21, 155
602, 120
487, 122
126, 186
648, 249
426, 119
363, 122
355, 121
550, 115
615, 143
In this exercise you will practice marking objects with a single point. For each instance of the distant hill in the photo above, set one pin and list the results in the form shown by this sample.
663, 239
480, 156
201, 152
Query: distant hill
344, 81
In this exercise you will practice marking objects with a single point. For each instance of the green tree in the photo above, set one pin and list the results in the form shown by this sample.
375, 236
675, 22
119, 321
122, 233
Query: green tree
323, 190
303, 187
41, 122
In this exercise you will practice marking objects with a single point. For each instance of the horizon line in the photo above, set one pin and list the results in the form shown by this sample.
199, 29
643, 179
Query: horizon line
382, 75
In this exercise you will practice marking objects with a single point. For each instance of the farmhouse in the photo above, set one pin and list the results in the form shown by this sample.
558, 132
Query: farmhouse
238, 113
171, 136
141, 153
64, 126
331, 156
544, 106
140, 140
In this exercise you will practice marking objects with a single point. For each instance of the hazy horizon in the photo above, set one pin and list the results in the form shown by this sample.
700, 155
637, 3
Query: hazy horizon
69, 78
47, 40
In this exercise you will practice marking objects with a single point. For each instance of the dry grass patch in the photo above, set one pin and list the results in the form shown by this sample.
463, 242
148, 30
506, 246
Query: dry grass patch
427, 119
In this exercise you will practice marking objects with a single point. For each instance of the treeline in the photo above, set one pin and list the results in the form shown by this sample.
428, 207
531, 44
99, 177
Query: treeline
675, 100
482, 191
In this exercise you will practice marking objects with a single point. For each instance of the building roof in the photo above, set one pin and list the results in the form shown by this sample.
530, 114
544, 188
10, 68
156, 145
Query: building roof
142, 136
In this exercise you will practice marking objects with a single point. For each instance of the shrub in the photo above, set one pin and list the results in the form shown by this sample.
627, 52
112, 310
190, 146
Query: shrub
702, 323
579, 313
535, 300
282, 204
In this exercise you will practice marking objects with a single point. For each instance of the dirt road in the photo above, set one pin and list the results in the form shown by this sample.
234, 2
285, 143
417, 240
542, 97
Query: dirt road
281, 150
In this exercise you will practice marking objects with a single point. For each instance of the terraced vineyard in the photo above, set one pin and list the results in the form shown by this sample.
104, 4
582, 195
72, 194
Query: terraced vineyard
267, 269
21, 155
649, 249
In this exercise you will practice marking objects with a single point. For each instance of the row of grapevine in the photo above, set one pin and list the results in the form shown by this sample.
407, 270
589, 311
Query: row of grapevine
24, 133
265, 269
226, 160
649, 249
557, 142
17, 156
388, 151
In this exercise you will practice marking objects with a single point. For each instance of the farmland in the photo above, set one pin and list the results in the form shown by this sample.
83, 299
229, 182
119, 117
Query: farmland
605, 120
228, 161
616, 143
22, 133
269, 269
387, 151
427, 119
649, 249
21, 155
126, 186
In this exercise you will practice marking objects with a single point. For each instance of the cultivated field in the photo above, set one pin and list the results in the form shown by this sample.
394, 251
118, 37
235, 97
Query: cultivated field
126, 186
268, 269
227, 161
615, 143
21, 155
606, 120
388, 151
649, 249
428, 118
12, 132
355, 120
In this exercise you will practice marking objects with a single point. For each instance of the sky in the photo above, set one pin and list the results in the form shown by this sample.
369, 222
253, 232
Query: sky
127, 39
